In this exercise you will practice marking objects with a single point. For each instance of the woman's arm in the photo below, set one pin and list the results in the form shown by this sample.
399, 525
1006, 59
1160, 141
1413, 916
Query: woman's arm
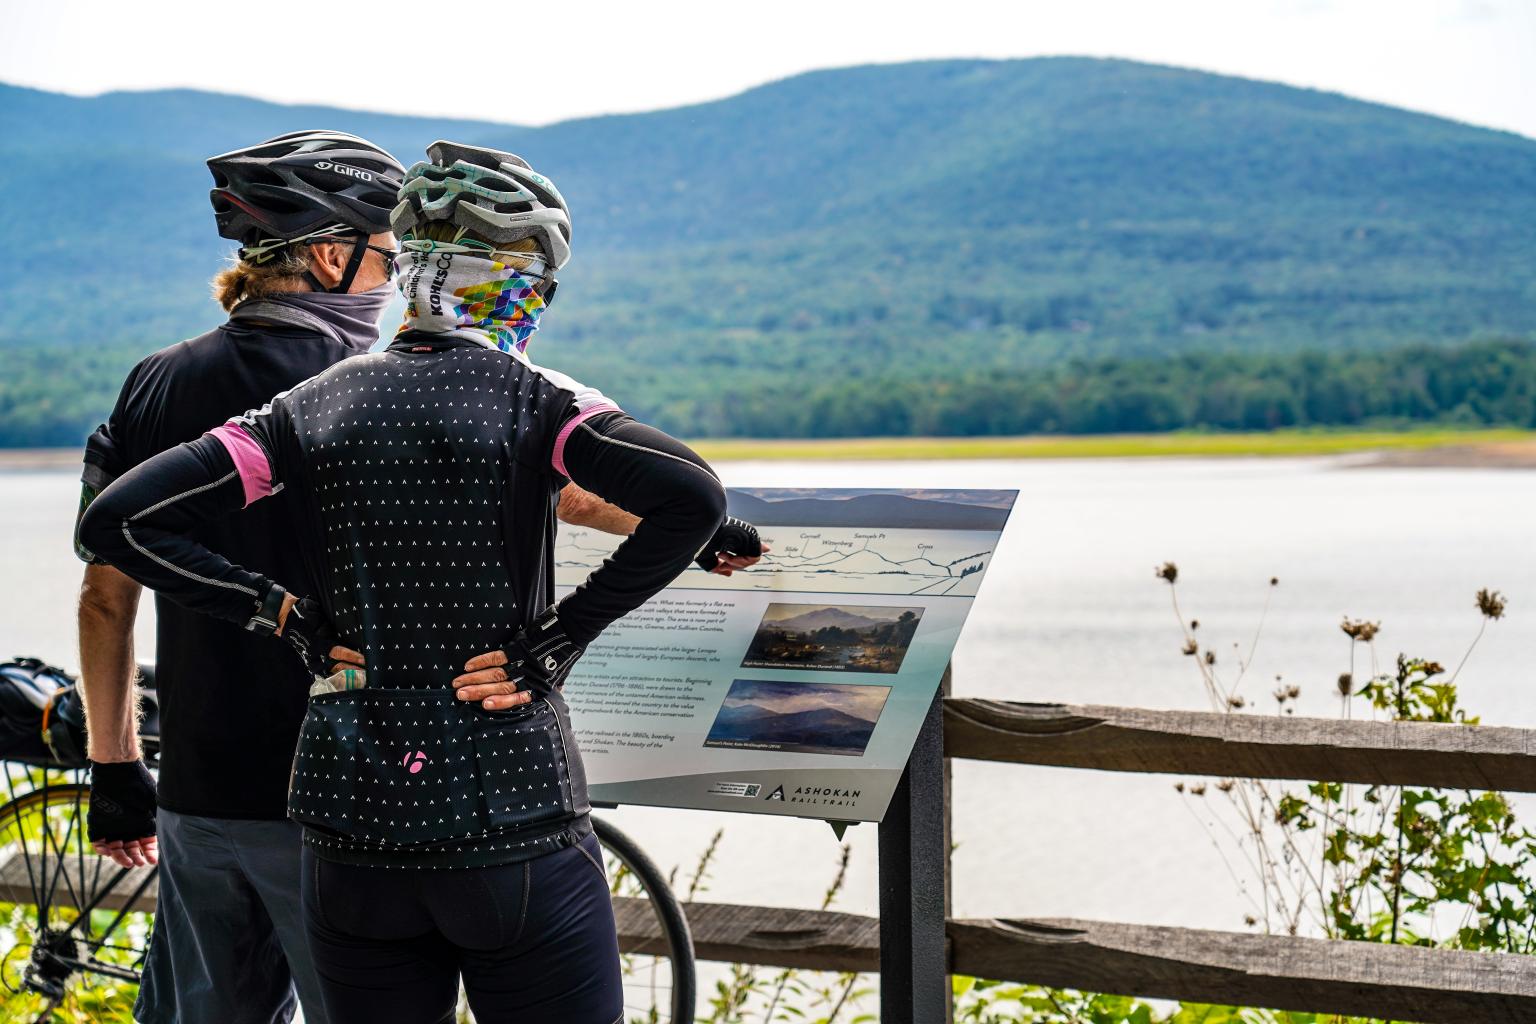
142, 524
676, 496
679, 502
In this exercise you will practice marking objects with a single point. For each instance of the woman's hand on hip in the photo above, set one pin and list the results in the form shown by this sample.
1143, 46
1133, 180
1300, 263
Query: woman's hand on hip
485, 679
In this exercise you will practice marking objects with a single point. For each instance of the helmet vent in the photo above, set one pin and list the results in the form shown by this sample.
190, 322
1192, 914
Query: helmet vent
262, 176
322, 181
280, 206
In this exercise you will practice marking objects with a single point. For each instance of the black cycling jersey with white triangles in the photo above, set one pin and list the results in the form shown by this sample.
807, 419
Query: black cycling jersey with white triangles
424, 481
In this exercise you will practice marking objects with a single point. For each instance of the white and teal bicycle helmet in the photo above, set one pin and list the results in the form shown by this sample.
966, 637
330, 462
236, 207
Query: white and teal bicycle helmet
494, 194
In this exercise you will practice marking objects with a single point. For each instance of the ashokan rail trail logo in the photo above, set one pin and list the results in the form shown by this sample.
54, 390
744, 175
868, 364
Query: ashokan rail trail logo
817, 796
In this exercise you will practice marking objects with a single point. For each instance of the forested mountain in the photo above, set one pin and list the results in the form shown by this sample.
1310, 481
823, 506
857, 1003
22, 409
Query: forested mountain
886, 237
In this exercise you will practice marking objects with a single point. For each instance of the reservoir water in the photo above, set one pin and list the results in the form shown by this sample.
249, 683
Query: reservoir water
1070, 611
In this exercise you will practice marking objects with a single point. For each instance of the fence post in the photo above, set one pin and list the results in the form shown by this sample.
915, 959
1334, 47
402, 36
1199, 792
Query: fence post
914, 883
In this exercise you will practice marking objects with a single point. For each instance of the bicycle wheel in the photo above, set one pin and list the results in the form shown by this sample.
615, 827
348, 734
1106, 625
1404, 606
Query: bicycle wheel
655, 947
66, 912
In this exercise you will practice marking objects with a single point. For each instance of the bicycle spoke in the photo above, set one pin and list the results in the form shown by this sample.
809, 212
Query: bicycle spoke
21, 836
63, 852
127, 907
80, 863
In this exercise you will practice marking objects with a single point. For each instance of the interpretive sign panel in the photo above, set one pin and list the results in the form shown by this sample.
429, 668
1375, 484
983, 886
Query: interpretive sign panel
796, 687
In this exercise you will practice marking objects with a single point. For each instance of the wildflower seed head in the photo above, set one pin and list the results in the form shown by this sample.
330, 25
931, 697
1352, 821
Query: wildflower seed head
1346, 684
1210, 657
1491, 603
1236, 702
1194, 624
1167, 571
1179, 786
1293, 691
1190, 647
1360, 629
1274, 581
1225, 785
1198, 789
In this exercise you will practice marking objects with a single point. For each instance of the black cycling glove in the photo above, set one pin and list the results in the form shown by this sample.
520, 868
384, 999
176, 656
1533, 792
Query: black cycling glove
122, 802
541, 656
309, 633
306, 631
734, 537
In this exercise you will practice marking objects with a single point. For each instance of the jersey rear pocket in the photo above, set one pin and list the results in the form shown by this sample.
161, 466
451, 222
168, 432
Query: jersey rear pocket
393, 765
526, 765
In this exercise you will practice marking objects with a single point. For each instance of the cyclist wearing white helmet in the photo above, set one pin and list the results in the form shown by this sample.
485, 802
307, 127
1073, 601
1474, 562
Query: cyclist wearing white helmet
425, 532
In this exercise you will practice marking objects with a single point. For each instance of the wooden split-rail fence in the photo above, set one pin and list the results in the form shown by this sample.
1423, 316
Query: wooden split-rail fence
915, 945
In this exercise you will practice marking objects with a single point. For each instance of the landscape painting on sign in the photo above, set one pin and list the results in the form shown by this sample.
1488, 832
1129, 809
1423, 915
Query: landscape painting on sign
842, 638
802, 718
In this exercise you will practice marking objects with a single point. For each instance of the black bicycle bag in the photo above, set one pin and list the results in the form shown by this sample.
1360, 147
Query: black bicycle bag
27, 690
42, 714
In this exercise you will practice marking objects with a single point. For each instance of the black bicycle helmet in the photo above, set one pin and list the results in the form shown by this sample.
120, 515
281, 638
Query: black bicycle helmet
301, 184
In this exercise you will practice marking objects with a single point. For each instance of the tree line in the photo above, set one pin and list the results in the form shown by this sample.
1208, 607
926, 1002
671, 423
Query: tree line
1487, 383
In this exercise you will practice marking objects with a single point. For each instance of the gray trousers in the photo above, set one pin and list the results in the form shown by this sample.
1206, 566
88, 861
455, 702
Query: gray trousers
229, 945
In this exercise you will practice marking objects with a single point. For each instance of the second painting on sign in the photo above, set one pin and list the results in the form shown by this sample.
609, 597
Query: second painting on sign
805, 718
835, 637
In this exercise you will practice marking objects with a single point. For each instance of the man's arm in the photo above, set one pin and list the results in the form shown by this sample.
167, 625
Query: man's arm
579, 507
583, 508
109, 604
121, 820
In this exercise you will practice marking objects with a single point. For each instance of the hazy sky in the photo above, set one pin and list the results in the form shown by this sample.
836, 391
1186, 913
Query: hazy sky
531, 63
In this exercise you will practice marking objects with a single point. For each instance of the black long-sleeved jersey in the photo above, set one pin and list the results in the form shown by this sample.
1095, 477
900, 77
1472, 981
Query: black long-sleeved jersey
427, 478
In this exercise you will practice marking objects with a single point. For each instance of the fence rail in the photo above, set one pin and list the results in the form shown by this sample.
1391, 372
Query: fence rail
1398, 982
1241, 745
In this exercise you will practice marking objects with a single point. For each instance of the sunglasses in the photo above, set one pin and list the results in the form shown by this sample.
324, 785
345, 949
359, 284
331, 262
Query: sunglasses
388, 254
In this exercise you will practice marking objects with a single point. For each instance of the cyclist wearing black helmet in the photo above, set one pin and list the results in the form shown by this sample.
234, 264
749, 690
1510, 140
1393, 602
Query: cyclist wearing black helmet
445, 806
310, 211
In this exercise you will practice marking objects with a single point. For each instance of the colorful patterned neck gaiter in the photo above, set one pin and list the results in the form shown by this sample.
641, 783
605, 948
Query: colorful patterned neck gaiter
472, 296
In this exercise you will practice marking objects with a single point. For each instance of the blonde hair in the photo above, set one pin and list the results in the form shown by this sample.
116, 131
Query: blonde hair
283, 271
442, 231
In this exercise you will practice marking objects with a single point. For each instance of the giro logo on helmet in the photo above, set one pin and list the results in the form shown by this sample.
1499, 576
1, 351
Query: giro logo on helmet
351, 172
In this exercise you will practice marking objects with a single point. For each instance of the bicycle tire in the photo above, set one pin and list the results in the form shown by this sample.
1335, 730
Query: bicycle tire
668, 911
63, 947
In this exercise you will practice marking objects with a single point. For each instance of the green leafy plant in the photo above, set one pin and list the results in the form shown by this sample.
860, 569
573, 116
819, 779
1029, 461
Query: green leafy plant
1370, 862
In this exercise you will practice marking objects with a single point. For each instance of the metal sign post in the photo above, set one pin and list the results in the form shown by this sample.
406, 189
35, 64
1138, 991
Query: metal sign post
914, 883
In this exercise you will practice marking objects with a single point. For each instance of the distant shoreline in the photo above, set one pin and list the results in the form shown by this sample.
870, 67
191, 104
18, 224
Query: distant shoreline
1514, 449
1472, 449
39, 458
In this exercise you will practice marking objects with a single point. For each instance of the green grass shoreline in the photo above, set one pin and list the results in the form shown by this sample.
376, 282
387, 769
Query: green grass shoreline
1467, 446
1273, 443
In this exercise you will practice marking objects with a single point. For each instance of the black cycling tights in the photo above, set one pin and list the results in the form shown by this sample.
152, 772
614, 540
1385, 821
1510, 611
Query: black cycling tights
534, 942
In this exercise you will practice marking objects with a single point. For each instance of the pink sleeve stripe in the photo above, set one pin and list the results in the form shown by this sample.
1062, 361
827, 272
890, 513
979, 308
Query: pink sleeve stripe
557, 457
250, 460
